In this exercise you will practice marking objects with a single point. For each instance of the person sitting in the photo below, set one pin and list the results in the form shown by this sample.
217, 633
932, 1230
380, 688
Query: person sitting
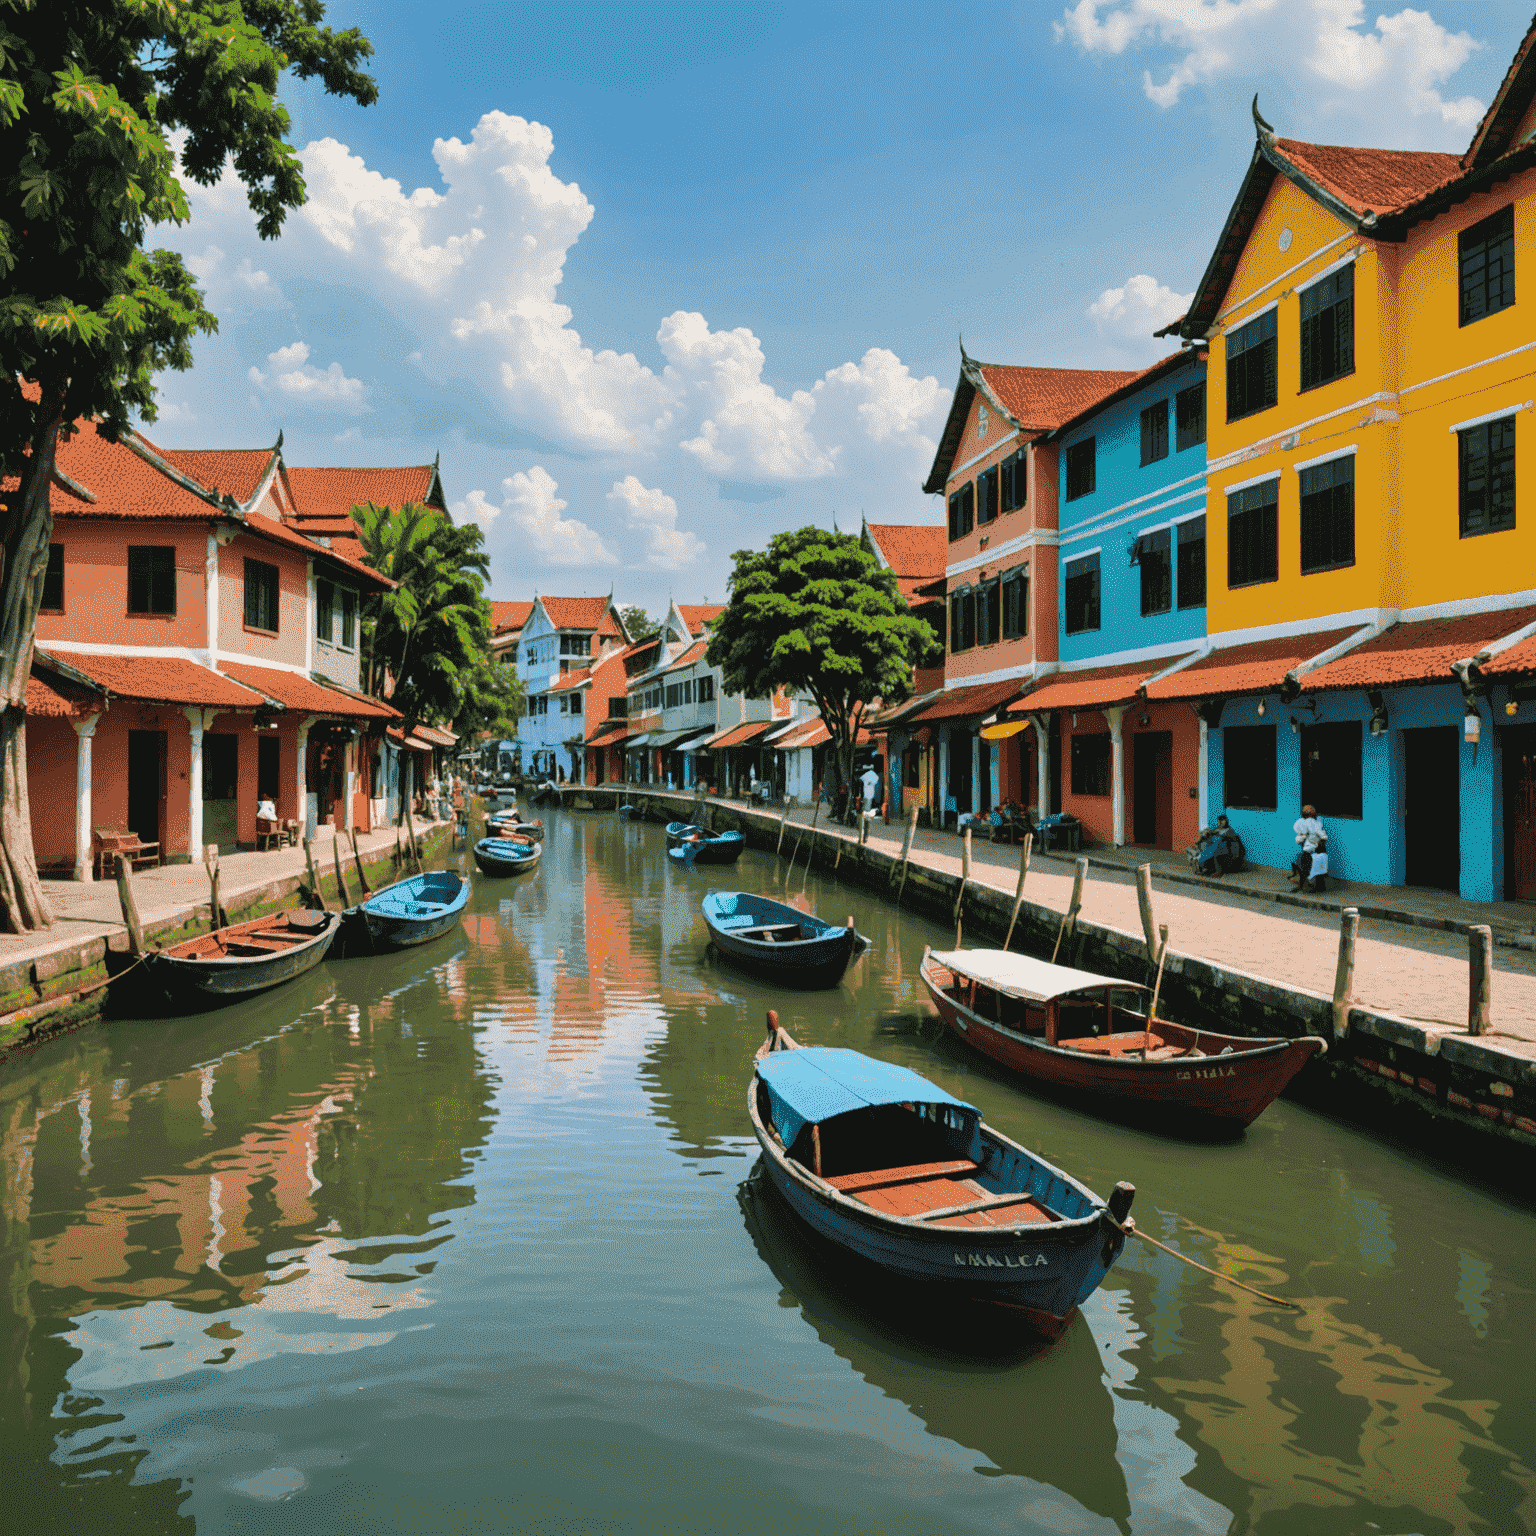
1309, 832
265, 810
1219, 849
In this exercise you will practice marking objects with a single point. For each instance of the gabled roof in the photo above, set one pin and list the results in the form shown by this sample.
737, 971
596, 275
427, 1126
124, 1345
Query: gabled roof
1184, 357
509, 618
294, 691
696, 615
1508, 107
155, 679
1035, 400
332, 493
914, 553
695, 652
596, 614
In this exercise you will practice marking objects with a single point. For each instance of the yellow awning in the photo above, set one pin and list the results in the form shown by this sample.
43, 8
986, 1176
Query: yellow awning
1003, 731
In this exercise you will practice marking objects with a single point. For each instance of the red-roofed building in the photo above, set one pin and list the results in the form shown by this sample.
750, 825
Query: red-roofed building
558, 637
507, 621
323, 498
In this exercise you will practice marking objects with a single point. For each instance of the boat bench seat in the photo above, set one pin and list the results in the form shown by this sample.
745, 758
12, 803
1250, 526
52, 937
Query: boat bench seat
739, 920
408, 908
884, 1178
1115, 1045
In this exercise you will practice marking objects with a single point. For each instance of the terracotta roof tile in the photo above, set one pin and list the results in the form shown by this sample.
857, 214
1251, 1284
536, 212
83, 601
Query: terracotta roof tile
160, 680
740, 735
1517, 659
1419, 652
570, 680
695, 652
915, 552
333, 493
1043, 398
509, 617
697, 614
1090, 688
49, 699
577, 612
302, 694
436, 735
1258, 667
237, 471
1380, 180
978, 699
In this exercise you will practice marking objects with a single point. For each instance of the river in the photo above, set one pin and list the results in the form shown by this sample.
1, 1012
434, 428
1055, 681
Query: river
465, 1239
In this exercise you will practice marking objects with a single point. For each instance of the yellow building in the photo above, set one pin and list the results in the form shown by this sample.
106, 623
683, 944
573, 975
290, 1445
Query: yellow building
1371, 317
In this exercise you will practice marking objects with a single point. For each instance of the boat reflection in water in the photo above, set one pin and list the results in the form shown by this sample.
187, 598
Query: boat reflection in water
1035, 1410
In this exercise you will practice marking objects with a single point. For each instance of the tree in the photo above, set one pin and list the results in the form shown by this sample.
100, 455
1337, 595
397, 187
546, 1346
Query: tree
431, 635
493, 702
639, 625
91, 92
814, 613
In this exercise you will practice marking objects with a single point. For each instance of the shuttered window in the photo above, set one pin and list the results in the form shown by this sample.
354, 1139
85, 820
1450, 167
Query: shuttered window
1015, 480
1251, 377
1328, 516
1192, 563
151, 578
1189, 413
988, 613
1081, 469
325, 608
53, 580
962, 511
1015, 591
1153, 552
986, 495
1154, 433
1328, 328
1248, 767
348, 618
1487, 476
1253, 535
260, 595
962, 619
1487, 254
1081, 606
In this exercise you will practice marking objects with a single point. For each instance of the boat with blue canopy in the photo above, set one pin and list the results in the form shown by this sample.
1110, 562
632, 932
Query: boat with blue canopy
892, 1168
414, 910
780, 942
506, 856
690, 845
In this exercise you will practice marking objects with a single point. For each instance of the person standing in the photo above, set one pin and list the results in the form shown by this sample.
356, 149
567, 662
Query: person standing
1309, 832
869, 784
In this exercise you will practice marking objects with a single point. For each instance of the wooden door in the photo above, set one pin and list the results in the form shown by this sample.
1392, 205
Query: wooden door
1520, 811
221, 805
146, 784
1432, 807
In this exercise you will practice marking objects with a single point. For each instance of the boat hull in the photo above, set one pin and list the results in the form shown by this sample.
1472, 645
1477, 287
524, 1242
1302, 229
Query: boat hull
491, 864
206, 983
1225, 1093
389, 931
820, 963
725, 849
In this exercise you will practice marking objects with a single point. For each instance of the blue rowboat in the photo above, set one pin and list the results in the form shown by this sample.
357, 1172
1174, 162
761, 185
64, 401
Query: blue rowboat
629, 813
503, 856
509, 826
779, 942
697, 846
414, 910
889, 1166
678, 830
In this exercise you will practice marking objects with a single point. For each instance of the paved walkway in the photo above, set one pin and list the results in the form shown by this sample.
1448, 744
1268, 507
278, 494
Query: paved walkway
1418, 973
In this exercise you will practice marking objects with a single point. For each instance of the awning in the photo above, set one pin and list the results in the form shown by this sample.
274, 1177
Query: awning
609, 734
1419, 652
411, 743
1092, 687
811, 733
43, 699
157, 679
1004, 731
301, 694
820, 1082
957, 703
694, 741
1519, 658
437, 736
1022, 976
740, 735
1259, 667
669, 739
642, 740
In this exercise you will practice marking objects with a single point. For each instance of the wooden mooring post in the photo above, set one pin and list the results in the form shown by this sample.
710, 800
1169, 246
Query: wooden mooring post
314, 875
1018, 895
1157, 987
779, 848
217, 917
1344, 976
357, 858
341, 874
906, 853
965, 880
130, 907
1480, 978
1069, 917
1144, 901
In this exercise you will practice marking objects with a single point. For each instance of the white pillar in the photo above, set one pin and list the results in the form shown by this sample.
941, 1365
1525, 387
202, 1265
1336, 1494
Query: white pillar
943, 757
84, 730
310, 616
1204, 780
302, 815
197, 719
211, 596
978, 746
350, 780
1116, 773
1042, 724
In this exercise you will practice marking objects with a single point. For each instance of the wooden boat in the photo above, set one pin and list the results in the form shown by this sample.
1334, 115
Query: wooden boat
892, 1168
415, 910
1075, 1030
505, 826
696, 845
506, 856
678, 830
243, 958
780, 942
629, 813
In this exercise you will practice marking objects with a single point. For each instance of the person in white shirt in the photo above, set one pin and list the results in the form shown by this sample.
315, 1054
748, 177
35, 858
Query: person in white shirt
265, 810
869, 782
1309, 836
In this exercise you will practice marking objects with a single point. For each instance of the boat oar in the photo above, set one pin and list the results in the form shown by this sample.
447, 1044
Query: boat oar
1130, 1229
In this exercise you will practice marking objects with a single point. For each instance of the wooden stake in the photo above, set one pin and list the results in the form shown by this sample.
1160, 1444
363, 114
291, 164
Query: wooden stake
1480, 971
357, 858
779, 847
130, 906
965, 880
816, 1150
316, 894
1144, 900
1069, 918
1157, 987
217, 917
410, 834
906, 854
1344, 976
1018, 896
341, 874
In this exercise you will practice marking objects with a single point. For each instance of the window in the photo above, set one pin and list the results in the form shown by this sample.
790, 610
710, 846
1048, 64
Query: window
53, 580
988, 613
1328, 516
1090, 764
1328, 328
1015, 598
574, 645
348, 618
706, 690
1330, 768
674, 695
1251, 367
1080, 464
1189, 413
1153, 552
986, 495
151, 578
618, 708
1154, 433
1253, 535
1015, 474
1248, 763
1082, 594
962, 619
325, 605
1192, 563
688, 691
260, 595
1487, 252
962, 508
1487, 474
538, 705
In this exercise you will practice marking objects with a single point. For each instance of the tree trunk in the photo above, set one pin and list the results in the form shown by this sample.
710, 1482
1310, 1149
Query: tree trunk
28, 528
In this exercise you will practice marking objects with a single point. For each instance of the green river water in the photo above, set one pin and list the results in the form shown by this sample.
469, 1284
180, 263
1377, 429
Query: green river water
464, 1240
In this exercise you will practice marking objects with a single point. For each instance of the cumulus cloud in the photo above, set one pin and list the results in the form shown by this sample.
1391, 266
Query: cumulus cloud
533, 508
1128, 315
670, 548
1385, 75
292, 374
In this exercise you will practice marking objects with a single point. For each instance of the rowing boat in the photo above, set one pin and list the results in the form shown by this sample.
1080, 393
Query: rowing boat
506, 856
780, 942
695, 845
890, 1167
1091, 1034
509, 826
242, 958
415, 910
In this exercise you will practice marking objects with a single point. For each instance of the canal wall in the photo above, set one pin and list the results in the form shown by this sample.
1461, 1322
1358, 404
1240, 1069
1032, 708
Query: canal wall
65, 985
1468, 1099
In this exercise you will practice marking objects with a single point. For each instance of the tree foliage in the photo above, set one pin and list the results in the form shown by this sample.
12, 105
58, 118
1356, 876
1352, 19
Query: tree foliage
428, 638
815, 613
638, 624
493, 702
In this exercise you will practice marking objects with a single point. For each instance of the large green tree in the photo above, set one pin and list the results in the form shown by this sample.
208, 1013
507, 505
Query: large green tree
815, 613
91, 92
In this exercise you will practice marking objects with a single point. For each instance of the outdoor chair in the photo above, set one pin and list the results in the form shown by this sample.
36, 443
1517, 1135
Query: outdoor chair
272, 833
109, 844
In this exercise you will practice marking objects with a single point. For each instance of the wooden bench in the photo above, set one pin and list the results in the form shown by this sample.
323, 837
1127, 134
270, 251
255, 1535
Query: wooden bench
272, 833
109, 844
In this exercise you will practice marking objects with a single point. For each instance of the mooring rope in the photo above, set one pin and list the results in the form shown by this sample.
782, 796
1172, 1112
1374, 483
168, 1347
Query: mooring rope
1130, 1229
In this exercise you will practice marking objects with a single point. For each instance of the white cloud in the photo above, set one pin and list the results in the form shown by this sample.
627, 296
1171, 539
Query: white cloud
531, 504
670, 547
1384, 78
1131, 313
292, 374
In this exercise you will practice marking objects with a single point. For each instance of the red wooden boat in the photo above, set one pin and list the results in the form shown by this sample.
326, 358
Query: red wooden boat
1074, 1030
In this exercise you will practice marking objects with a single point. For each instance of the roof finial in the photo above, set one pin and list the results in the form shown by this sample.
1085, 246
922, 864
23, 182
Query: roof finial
1264, 130
963, 357
277, 447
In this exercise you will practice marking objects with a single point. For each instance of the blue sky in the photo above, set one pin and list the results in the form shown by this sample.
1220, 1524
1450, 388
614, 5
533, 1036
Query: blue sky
677, 277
